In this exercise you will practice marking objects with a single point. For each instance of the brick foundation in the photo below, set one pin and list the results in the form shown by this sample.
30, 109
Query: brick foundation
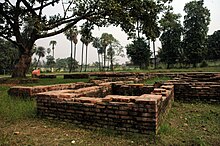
120, 103
141, 114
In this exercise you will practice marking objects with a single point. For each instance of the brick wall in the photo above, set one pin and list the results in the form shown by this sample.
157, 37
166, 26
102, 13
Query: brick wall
26, 92
141, 114
203, 91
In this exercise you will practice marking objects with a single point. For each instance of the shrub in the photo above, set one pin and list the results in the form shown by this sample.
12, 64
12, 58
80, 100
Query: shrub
204, 64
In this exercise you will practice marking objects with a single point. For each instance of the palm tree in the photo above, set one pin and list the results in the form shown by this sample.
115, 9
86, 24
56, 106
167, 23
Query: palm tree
53, 43
83, 40
71, 35
97, 44
86, 39
106, 39
40, 52
48, 51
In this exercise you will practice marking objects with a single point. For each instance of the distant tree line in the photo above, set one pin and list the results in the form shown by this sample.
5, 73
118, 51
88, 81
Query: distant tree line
184, 45
188, 44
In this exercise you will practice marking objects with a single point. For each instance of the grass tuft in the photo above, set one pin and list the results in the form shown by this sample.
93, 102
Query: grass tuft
156, 79
13, 109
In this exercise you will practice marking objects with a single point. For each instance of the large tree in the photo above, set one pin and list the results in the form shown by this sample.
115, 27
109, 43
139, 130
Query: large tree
139, 52
170, 38
115, 49
15, 15
214, 46
106, 40
196, 23
71, 35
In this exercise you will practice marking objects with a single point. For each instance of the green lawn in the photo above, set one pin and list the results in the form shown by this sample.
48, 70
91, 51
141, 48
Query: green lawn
58, 80
157, 79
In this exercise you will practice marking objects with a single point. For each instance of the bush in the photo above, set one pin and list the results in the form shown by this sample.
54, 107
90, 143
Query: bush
204, 64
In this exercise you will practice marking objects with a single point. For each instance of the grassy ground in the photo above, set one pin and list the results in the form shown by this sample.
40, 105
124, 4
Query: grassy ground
58, 80
156, 79
186, 124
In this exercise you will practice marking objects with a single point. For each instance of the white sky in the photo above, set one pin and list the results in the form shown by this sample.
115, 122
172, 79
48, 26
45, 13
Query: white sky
62, 49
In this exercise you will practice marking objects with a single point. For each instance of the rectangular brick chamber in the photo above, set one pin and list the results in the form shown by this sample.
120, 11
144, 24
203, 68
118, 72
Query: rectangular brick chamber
198, 87
114, 105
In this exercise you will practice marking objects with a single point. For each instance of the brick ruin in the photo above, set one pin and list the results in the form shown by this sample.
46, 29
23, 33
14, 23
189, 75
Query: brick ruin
126, 106
197, 87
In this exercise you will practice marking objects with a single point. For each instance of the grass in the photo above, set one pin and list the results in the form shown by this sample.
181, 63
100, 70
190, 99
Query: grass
186, 124
58, 80
192, 124
156, 79
14, 109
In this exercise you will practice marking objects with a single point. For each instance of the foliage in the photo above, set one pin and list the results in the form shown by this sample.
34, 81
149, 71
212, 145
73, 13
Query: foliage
50, 61
71, 35
214, 46
26, 21
61, 63
108, 47
97, 44
115, 49
8, 56
170, 39
74, 63
53, 43
86, 39
106, 40
204, 64
196, 23
139, 52
40, 52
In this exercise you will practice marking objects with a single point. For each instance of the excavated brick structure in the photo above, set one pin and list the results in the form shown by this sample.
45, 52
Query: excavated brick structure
141, 114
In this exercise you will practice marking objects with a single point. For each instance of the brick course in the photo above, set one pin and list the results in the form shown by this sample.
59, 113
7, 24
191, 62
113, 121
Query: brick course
123, 113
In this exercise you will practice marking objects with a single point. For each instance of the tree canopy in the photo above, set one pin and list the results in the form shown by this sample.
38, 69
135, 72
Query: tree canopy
214, 46
24, 21
8, 56
139, 52
170, 38
196, 23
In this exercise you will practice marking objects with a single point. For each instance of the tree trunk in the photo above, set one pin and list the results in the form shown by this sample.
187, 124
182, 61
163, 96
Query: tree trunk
82, 58
104, 58
86, 57
71, 56
111, 59
168, 66
155, 59
22, 66
99, 60
74, 55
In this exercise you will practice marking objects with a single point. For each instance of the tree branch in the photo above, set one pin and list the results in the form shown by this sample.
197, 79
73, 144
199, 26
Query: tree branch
29, 8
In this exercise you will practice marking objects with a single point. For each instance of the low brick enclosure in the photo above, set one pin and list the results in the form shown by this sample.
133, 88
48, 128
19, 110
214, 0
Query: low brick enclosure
86, 107
127, 105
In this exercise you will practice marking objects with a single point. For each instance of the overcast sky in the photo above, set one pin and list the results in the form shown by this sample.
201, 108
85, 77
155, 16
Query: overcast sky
62, 49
